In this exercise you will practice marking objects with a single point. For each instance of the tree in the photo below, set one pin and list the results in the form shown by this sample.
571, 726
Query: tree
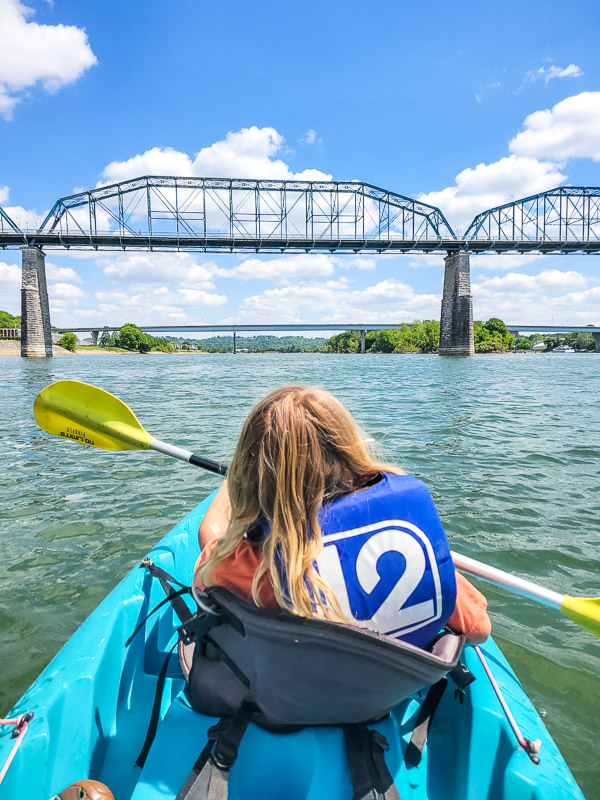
492, 336
8, 321
495, 325
426, 335
522, 343
347, 342
384, 342
129, 337
584, 341
105, 339
68, 341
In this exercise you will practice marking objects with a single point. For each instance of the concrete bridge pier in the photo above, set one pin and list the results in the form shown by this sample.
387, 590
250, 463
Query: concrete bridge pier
234, 348
596, 341
36, 333
95, 338
363, 341
456, 322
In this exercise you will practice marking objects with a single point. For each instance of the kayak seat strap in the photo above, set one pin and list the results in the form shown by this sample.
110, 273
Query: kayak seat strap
209, 778
155, 714
371, 778
414, 751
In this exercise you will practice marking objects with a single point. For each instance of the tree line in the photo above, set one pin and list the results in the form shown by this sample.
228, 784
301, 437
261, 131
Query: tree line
424, 337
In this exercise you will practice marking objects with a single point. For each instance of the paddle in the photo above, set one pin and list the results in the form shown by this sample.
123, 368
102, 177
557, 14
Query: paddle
86, 414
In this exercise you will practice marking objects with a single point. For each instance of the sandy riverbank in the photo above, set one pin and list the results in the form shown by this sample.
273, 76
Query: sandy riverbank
14, 349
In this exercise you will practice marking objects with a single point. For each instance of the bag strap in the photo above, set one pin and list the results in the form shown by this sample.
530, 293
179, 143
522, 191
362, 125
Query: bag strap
209, 778
371, 778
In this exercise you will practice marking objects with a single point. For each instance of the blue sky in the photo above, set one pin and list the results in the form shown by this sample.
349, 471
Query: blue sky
464, 104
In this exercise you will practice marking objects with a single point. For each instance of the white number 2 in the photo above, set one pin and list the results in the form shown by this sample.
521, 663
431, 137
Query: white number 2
390, 616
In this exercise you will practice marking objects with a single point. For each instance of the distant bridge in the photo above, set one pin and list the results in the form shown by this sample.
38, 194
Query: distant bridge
362, 327
234, 215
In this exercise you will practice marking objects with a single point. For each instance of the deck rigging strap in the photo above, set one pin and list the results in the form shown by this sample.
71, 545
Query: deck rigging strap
531, 748
21, 724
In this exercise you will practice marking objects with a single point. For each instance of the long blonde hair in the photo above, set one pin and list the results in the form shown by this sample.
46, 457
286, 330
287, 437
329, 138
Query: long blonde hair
299, 448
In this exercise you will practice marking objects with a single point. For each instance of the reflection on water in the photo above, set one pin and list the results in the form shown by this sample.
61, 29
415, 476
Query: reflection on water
509, 445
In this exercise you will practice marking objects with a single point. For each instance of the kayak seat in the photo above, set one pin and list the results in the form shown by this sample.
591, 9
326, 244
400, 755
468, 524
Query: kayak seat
298, 671
284, 673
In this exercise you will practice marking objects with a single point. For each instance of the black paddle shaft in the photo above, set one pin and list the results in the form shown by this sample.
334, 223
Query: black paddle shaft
208, 464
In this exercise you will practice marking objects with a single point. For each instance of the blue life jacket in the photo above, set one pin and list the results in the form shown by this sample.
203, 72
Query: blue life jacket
386, 557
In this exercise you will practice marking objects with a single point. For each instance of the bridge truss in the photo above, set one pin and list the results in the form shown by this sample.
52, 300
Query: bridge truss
224, 214
565, 219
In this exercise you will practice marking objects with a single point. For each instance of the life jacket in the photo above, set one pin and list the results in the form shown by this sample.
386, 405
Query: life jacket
387, 559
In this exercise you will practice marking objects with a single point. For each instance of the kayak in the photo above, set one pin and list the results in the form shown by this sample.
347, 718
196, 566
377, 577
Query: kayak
92, 708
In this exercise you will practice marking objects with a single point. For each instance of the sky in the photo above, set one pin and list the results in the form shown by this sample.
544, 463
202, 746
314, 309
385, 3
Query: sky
464, 105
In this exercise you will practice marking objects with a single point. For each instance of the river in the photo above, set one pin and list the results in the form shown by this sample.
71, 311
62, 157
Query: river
509, 445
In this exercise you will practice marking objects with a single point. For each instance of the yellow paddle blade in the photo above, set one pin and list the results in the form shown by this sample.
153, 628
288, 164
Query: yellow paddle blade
585, 611
83, 413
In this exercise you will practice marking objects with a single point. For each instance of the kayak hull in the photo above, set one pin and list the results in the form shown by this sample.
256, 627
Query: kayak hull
92, 707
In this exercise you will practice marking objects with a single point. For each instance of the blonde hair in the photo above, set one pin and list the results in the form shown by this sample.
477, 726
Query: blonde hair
299, 448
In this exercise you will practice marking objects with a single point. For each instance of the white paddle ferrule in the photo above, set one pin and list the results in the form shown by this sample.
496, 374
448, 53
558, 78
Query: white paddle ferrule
170, 450
187, 455
518, 585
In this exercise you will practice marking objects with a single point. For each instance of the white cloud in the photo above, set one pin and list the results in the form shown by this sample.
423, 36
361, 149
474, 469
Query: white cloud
361, 262
335, 301
549, 73
55, 273
158, 268
488, 185
247, 153
65, 293
143, 305
570, 129
30, 53
502, 260
10, 288
531, 284
197, 297
284, 268
22, 217
542, 298
310, 137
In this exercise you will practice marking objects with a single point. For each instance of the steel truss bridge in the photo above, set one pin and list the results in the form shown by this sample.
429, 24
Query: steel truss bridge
228, 215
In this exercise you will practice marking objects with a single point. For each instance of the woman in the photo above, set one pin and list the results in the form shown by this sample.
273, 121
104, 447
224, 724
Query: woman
309, 522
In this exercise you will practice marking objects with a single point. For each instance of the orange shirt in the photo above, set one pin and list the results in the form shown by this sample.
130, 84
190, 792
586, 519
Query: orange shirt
237, 572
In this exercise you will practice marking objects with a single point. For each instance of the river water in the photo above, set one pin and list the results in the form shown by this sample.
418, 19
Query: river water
509, 445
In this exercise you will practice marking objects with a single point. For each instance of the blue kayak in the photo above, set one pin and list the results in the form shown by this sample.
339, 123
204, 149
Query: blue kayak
92, 707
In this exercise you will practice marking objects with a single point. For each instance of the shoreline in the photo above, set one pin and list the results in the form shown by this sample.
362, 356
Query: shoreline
12, 348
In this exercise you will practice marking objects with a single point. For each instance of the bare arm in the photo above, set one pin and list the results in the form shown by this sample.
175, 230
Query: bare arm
216, 519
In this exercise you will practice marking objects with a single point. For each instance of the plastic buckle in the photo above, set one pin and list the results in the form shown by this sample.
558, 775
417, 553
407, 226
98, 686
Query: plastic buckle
380, 740
197, 627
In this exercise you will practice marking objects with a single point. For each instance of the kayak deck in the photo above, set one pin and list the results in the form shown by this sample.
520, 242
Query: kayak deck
92, 707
